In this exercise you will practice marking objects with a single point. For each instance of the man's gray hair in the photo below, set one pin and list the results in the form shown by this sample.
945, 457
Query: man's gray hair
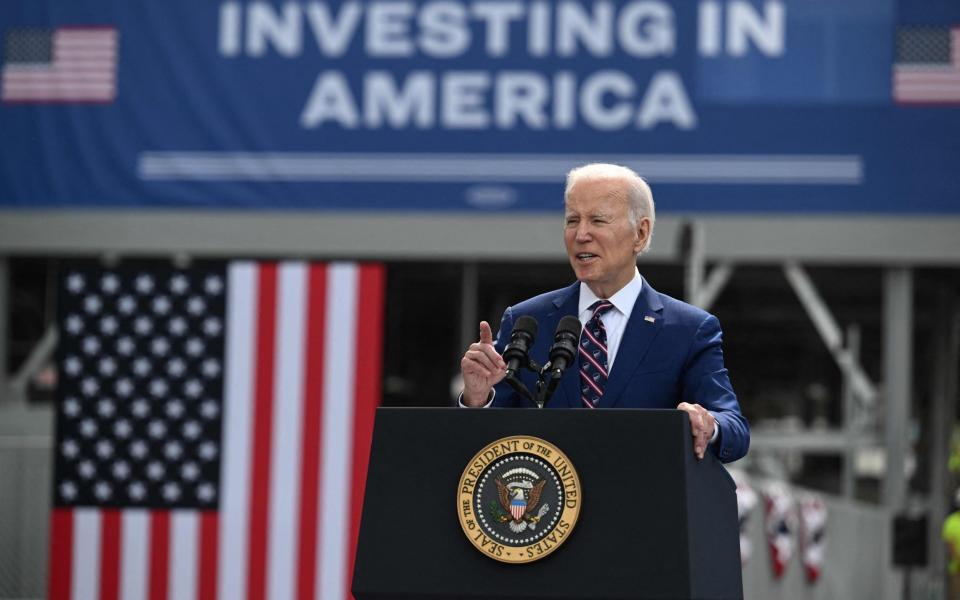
639, 196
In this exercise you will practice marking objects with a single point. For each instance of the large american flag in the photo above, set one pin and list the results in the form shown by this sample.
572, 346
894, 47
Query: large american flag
927, 70
68, 64
213, 429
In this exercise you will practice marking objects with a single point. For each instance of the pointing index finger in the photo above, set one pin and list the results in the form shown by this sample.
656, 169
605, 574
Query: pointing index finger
486, 335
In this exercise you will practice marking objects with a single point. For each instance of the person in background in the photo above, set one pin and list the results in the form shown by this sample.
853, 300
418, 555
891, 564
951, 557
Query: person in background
951, 535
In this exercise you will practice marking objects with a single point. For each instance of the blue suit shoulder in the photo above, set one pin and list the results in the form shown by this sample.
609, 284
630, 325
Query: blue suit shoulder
687, 314
545, 302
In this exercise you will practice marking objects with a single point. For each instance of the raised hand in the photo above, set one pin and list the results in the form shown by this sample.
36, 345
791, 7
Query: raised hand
482, 368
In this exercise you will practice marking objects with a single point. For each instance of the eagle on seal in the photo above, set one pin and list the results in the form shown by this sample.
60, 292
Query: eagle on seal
519, 506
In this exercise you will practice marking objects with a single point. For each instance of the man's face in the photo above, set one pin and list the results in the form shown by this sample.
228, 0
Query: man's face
601, 243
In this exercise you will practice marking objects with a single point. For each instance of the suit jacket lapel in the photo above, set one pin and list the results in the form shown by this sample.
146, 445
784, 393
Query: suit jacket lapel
565, 304
637, 338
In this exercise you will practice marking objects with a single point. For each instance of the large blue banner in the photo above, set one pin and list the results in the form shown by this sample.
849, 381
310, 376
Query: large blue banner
478, 105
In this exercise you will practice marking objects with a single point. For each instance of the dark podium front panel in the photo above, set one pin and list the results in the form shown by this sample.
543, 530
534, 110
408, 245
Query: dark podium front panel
655, 522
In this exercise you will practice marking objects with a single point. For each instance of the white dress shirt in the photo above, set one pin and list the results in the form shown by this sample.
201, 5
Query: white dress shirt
615, 320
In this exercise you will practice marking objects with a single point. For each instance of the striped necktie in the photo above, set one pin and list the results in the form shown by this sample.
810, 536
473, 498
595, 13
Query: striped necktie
593, 356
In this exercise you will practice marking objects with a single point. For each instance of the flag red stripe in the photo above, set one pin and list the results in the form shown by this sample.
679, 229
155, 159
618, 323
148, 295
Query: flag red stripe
110, 523
207, 567
312, 419
159, 576
367, 381
61, 553
262, 426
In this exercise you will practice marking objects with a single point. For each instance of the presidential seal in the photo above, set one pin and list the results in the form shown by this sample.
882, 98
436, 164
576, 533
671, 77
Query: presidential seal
518, 499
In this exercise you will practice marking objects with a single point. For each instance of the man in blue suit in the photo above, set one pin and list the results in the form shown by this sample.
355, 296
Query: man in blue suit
639, 348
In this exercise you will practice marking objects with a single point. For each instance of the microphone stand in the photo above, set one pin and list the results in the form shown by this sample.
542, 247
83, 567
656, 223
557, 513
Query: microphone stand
547, 381
518, 387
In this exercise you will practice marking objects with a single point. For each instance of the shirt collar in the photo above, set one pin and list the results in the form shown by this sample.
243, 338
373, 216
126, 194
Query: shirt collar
623, 300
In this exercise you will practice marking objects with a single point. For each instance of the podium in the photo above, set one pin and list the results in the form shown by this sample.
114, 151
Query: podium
654, 522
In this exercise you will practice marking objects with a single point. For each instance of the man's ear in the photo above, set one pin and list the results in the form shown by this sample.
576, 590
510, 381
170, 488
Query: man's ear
643, 234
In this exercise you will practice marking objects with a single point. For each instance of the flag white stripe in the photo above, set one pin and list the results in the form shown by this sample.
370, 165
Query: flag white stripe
338, 401
183, 554
285, 439
134, 542
85, 580
238, 389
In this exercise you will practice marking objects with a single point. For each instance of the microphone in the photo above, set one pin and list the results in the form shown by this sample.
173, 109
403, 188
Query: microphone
521, 340
562, 354
564, 348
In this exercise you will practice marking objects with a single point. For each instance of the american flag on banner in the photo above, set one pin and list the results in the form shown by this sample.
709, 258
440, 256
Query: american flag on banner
68, 64
213, 429
927, 70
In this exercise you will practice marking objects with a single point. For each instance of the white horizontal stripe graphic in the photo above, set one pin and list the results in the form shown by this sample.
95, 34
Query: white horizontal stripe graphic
698, 169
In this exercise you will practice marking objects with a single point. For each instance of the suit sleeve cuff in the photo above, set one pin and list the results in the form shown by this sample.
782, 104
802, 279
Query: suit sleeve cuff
493, 394
716, 431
